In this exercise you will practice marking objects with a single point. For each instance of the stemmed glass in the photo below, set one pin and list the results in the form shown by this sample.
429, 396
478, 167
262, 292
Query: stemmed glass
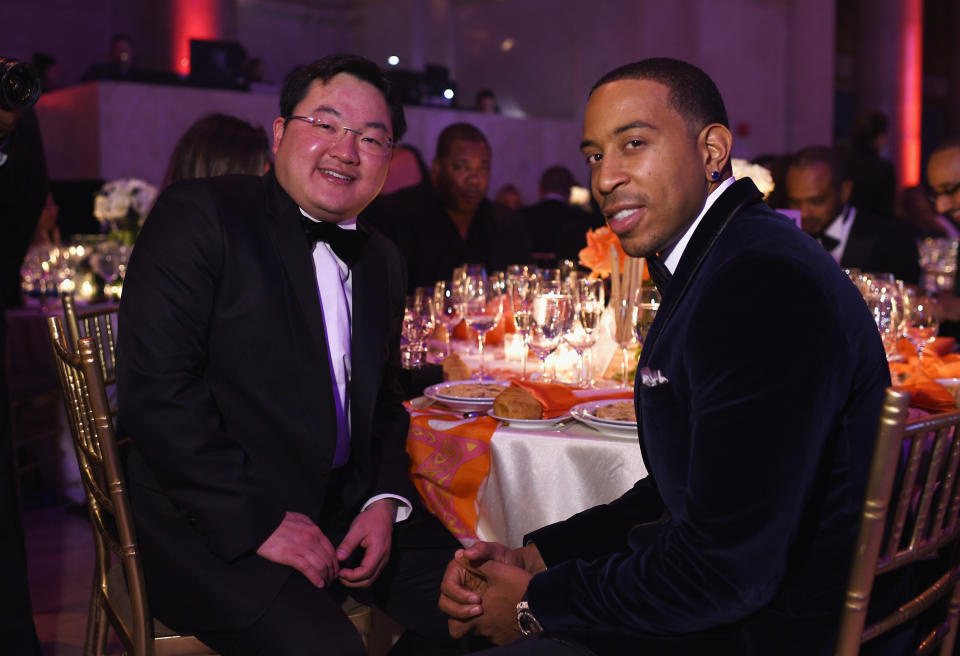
520, 291
551, 314
922, 324
588, 304
647, 301
623, 331
418, 323
481, 304
446, 306
106, 262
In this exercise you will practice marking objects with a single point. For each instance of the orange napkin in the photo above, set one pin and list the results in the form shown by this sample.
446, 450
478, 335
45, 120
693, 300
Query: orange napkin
928, 394
938, 362
493, 337
557, 399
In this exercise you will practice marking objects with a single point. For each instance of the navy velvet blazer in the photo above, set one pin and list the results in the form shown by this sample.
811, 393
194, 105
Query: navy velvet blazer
224, 386
740, 539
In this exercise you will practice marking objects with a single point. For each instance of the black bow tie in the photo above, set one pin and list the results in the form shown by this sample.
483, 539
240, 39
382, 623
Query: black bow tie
346, 244
827, 241
659, 273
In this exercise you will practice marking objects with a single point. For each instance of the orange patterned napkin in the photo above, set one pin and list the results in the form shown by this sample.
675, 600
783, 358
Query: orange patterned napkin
928, 394
557, 399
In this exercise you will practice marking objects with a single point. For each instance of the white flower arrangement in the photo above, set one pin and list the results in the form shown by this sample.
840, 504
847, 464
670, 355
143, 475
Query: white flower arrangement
118, 199
759, 174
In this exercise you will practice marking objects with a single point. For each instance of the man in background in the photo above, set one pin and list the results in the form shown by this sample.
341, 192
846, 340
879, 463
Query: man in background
943, 185
818, 184
448, 221
557, 229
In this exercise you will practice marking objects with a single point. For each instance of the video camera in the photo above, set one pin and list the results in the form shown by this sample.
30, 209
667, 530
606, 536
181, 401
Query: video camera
19, 84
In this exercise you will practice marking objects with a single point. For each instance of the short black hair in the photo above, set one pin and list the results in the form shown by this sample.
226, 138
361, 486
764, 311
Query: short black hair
692, 93
830, 157
297, 84
557, 180
947, 144
458, 131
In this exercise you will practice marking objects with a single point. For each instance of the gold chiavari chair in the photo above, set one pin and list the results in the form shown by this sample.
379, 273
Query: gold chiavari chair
100, 324
910, 514
118, 599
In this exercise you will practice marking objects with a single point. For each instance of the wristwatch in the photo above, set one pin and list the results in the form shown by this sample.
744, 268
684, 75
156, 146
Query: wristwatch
526, 621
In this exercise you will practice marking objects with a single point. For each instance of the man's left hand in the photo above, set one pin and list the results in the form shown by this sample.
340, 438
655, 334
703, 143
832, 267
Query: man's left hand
373, 530
501, 590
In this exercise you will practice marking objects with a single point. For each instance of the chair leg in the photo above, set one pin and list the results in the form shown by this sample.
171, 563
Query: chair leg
96, 641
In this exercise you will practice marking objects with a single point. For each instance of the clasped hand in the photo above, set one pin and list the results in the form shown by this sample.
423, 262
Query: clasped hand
299, 543
482, 586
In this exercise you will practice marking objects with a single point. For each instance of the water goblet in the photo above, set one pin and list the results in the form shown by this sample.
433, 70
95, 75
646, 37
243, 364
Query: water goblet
550, 316
623, 331
588, 305
922, 324
446, 306
418, 323
481, 305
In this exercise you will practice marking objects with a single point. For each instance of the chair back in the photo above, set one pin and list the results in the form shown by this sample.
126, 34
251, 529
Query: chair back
91, 424
910, 514
100, 324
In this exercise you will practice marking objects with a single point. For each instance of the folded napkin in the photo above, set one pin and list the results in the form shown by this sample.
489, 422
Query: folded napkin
493, 337
938, 361
928, 394
557, 399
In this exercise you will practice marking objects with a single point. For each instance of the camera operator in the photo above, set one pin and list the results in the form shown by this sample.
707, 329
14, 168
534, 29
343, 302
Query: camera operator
23, 189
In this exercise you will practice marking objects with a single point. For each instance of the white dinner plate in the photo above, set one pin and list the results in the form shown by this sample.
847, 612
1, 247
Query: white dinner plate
530, 424
583, 412
460, 403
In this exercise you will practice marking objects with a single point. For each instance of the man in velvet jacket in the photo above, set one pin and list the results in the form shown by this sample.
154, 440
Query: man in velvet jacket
757, 393
261, 491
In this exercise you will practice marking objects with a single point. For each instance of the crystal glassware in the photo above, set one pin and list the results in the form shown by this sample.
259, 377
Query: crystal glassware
481, 305
551, 314
588, 307
446, 306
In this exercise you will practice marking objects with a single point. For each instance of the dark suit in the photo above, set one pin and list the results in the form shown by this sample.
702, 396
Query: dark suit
879, 245
414, 219
224, 385
739, 541
559, 228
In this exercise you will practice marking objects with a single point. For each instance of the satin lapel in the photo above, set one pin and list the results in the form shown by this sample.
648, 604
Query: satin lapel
739, 195
860, 243
295, 254
369, 323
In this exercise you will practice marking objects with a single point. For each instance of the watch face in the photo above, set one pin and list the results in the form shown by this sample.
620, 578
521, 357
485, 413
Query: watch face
527, 622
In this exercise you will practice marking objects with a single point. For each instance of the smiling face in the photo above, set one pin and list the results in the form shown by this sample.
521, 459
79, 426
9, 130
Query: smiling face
647, 171
332, 181
462, 176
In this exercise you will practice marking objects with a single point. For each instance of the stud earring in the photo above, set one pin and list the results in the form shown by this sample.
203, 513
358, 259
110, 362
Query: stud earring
714, 175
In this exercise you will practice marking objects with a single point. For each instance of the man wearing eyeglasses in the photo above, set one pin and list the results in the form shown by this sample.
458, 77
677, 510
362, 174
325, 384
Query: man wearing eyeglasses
943, 184
259, 337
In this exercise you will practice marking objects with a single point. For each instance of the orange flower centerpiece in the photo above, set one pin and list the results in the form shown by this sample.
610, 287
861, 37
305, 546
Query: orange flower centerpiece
596, 256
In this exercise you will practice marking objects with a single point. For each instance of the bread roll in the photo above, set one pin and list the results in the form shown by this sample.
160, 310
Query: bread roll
517, 403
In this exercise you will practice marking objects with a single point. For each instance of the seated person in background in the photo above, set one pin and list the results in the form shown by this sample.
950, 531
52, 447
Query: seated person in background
448, 221
739, 540
218, 144
407, 168
486, 102
557, 229
819, 185
47, 232
943, 183
916, 211
509, 196
119, 64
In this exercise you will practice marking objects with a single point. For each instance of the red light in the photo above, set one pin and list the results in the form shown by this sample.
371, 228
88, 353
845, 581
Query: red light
191, 19
911, 91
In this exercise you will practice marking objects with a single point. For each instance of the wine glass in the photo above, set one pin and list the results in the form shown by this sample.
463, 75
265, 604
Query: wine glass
418, 323
623, 331
106, 262
446, 307
551, 312
884, 312
481, 305
521, 285
922, 324
647, 301
588, 304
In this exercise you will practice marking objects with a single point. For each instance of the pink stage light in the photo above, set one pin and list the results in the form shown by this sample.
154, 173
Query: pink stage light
911, 91
191, 19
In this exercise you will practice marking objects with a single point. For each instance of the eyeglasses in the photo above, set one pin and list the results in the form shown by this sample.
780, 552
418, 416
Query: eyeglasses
935, 194
372, 141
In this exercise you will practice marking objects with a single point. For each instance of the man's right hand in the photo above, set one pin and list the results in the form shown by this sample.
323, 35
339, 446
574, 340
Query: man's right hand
300, 543
460, 594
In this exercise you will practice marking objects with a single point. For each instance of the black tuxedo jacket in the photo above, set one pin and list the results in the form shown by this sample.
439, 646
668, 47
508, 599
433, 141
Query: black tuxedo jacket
739, 540
224, 386
879, 245
558, 227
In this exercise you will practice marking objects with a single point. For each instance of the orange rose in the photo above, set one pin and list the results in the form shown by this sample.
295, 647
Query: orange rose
596, 256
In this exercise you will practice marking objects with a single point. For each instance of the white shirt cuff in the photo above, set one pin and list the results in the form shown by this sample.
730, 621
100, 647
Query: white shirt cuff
404, 507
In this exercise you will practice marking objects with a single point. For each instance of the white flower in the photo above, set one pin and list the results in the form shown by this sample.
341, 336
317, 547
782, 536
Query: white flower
118, 197
759, 174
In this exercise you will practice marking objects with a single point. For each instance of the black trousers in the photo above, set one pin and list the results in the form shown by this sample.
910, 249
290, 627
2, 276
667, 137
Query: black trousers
305, 620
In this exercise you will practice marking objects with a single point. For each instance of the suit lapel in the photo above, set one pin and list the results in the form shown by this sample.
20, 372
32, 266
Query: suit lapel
739, 195
296, 258
367, 341
860, 242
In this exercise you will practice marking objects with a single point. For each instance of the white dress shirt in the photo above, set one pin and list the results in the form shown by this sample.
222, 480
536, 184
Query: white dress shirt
335, 287
839, 229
